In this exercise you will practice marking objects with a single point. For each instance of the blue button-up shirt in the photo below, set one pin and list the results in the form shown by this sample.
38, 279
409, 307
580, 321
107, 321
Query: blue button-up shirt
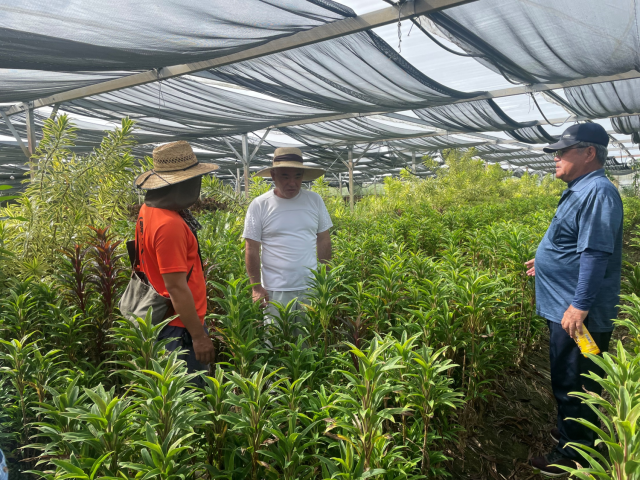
589, 215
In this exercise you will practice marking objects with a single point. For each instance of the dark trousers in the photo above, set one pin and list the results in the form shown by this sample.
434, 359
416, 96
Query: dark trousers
567, 366
182, 341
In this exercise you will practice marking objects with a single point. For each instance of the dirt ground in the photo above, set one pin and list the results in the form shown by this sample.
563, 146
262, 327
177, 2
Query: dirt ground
514, 428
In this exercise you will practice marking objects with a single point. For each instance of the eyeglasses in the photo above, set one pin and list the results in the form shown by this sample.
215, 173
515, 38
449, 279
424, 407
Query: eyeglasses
561, 152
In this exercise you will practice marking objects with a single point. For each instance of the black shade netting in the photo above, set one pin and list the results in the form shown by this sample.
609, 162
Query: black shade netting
508, 156
70, 35
25, 85
184, 108
629, 125
604, 99
475, 116
535, 134
430, 144
617, 166
353, 130
89, 134
359, 72
532, 41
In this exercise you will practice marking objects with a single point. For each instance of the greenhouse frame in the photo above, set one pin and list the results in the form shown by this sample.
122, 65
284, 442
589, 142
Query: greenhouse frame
312, 73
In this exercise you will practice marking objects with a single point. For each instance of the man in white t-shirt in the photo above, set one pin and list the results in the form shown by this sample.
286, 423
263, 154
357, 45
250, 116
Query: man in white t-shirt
286, 232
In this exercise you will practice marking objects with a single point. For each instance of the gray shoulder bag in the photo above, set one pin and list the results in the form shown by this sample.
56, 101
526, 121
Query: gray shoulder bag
140, 295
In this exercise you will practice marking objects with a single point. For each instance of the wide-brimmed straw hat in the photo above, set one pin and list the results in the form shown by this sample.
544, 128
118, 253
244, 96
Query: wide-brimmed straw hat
291, 157
173, 163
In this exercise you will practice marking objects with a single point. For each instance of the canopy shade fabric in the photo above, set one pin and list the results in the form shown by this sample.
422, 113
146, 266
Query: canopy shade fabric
523, 40
354, 130
629, 125
605, 99
357, 73
351, 80
476, 116
190, 109
24, 85
535, 134
79, 35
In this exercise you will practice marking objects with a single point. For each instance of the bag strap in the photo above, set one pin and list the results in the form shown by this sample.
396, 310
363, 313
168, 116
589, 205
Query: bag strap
135, 254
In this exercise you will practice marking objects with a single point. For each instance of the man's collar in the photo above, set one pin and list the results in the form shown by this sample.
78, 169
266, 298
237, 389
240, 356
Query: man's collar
581, 182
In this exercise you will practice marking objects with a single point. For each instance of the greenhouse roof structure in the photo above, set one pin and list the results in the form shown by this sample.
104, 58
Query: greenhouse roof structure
364, 87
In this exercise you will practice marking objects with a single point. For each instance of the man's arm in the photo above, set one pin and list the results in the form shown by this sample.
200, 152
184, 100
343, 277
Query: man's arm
324, 247
185, 307
252, 259
598, 225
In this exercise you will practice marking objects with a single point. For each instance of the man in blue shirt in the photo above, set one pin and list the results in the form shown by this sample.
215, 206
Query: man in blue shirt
577, 270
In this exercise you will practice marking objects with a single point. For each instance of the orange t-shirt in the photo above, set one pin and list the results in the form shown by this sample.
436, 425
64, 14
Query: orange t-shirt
168, 246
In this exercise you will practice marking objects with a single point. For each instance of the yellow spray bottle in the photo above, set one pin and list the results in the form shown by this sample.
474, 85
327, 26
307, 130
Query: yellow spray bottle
586, 343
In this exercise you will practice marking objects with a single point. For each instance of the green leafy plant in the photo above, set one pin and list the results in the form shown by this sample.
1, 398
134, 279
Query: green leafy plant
361, 404
620, 434
252, 417
430, 392
322, 304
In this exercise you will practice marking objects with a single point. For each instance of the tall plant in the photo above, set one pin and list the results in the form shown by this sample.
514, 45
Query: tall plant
362, 403
620, 417
69, 192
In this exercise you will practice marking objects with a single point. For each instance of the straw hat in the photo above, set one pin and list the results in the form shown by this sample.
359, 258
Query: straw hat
173, 163
291, 157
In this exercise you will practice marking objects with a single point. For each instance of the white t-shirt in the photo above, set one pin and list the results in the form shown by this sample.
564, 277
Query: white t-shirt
287, 230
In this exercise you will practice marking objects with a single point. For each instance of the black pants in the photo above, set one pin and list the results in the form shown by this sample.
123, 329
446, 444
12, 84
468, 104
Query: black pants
567, 366
182, 341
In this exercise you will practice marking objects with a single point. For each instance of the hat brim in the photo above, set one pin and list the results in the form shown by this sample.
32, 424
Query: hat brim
151, 179
310, 173
560, 145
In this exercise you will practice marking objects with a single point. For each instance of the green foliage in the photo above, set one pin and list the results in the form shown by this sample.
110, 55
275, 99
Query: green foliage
331, 197
68, 193
213, 188
620, 417
404, 336
630, 311
258, 186
461, 181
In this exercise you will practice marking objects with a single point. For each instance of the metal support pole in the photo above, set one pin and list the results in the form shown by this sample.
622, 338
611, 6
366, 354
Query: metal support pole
245, 157
238, 181
31, 132
15, 134
31, 138
54, 112
340, 185
259, 143
351, 199
413, 161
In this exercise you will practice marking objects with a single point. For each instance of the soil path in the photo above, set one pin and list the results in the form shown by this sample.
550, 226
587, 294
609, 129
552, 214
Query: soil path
514, 427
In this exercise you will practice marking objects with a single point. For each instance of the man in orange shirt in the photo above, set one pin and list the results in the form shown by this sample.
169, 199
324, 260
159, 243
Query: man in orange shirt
166, 239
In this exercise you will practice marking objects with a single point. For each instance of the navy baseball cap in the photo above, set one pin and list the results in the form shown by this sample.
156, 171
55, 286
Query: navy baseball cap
580, 132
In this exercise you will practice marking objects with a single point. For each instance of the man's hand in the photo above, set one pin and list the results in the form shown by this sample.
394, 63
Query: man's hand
531, 265
184, 305
572, 320
260, 295
203, 348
